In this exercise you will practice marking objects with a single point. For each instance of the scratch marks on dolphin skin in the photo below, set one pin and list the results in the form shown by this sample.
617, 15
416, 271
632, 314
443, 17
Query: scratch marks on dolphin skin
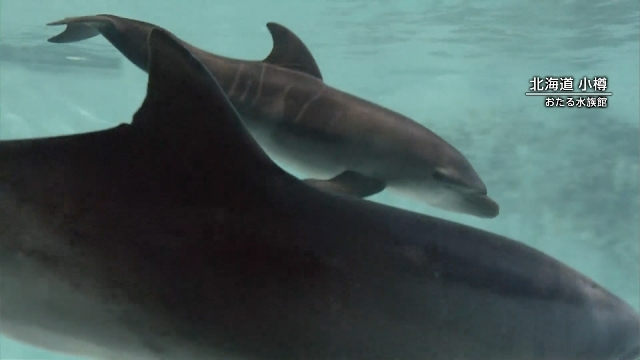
285, 92
306, 105
243, 97
282, 102
259, 93
232, 89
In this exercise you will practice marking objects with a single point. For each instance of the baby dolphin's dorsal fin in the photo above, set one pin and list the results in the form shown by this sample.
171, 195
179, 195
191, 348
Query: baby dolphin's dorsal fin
187, 111
290, 52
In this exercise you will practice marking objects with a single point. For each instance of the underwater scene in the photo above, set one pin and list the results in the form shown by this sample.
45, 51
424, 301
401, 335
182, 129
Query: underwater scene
327, 180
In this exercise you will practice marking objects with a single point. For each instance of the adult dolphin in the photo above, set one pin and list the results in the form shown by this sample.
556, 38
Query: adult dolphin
176, 237
296, 117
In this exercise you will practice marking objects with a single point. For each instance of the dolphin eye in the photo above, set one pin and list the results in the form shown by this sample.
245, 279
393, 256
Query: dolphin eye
438, 175
441, 176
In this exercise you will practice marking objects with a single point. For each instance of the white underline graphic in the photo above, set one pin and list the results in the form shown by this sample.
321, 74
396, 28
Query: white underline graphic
568, 94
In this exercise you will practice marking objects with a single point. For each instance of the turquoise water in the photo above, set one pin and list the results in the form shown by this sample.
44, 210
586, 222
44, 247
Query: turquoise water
566, 178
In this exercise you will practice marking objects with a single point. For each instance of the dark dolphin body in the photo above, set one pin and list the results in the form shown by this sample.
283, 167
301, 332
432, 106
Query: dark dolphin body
328, 133
176, 237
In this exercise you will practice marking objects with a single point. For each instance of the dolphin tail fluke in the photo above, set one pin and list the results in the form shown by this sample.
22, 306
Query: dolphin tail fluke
79, 28
349, 183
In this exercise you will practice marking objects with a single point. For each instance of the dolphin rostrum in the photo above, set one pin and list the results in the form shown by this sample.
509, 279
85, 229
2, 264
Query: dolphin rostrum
176, 237
362, 147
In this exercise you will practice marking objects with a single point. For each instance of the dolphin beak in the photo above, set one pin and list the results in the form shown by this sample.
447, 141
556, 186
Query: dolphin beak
481, 205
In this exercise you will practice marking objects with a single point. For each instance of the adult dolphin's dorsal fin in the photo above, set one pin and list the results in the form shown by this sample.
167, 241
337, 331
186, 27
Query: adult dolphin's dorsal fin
187, 111
290, 52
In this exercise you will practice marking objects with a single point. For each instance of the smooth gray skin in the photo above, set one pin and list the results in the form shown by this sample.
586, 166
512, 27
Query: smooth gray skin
296, 117
176, 237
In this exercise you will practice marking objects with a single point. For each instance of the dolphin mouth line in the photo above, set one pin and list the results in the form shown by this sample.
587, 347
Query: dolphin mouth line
471, 192
479, 197
466, 190
479, 192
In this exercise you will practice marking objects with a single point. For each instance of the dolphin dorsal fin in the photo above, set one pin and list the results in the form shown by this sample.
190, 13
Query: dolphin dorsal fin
290, 52
188, 113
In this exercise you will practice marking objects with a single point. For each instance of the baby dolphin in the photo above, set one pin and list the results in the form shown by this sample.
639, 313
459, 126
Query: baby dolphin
362, 147
176, 237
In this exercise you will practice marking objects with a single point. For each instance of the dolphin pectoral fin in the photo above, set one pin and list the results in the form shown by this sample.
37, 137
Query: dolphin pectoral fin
79, 28
349, 183
290, 52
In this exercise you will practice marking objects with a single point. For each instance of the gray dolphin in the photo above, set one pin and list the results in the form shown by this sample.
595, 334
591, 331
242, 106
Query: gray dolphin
327, 133
176, 237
